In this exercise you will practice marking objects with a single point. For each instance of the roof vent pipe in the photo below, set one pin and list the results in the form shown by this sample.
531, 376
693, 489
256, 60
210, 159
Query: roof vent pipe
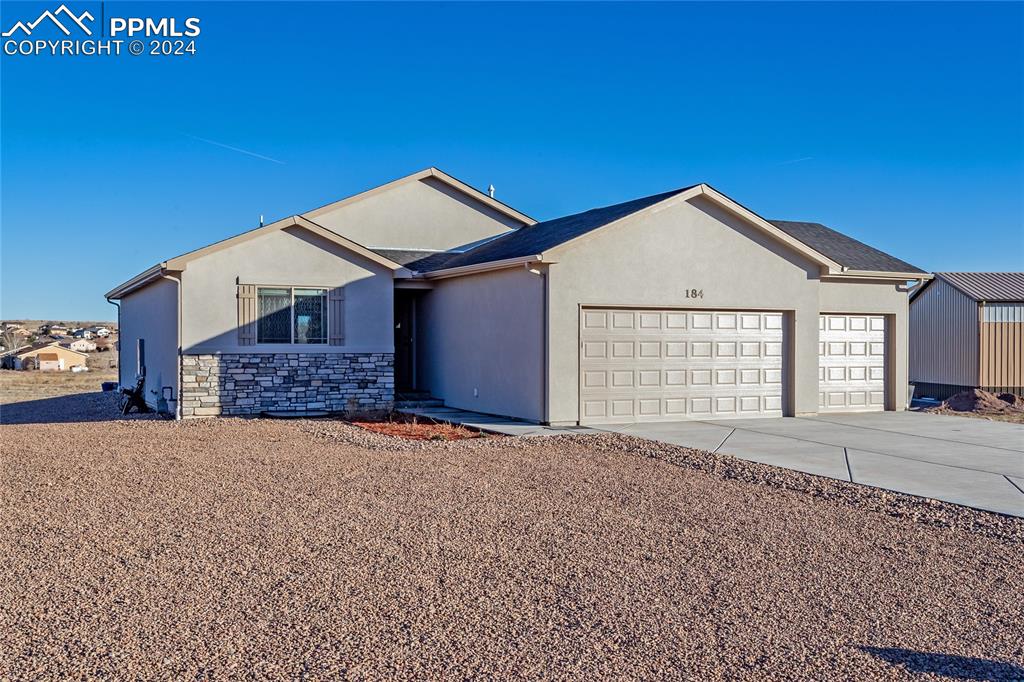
261, 220
490, 191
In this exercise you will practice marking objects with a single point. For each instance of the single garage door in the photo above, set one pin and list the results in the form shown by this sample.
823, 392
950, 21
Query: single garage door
851, 363
650, 365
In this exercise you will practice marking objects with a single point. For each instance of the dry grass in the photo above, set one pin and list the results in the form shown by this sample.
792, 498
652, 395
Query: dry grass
17, 386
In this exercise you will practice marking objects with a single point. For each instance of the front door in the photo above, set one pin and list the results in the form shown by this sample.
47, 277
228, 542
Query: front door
405, 341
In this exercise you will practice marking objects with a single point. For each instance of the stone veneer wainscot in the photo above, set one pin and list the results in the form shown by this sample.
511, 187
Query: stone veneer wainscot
249, 383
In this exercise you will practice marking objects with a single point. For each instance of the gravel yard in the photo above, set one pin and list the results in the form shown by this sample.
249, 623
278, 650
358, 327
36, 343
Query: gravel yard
315, 549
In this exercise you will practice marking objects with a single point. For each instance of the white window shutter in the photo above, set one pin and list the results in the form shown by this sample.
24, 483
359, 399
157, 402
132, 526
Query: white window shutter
247, 314
336, 316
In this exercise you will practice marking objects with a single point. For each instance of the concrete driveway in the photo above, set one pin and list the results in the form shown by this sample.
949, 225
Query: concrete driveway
972, 462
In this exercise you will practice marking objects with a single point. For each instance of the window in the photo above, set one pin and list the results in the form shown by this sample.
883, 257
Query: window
291, 315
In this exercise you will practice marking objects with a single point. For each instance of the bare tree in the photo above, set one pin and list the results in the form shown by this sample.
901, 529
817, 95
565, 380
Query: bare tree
9, 340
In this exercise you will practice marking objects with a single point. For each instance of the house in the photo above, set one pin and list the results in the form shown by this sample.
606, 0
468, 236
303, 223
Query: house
82, 345
680, 305
967, 331
101, 332
83, 334
48, 355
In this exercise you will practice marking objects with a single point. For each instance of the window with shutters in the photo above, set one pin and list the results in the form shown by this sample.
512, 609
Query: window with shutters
291, 315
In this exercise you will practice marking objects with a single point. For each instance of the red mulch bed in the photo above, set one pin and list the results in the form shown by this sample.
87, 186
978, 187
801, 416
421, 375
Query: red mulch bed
412, 428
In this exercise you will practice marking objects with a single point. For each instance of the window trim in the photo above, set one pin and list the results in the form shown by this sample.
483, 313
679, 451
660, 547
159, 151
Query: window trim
291, 314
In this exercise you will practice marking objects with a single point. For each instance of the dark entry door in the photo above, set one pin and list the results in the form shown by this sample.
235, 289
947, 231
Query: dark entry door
405, 341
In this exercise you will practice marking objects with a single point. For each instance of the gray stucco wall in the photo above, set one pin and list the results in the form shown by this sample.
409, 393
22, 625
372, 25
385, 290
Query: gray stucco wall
425, 214
651, 259
291, 257
151, 313
485, 332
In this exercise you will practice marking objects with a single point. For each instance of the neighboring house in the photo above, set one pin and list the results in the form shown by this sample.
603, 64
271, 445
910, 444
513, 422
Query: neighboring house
82, 345
681, 305
967, 331
55, 357
83, 334
101, 332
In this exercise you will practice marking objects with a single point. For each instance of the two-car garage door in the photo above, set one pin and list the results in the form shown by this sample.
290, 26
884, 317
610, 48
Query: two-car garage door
649, 365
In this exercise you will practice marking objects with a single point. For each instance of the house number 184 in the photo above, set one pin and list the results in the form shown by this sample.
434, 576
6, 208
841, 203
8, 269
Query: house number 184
694, 293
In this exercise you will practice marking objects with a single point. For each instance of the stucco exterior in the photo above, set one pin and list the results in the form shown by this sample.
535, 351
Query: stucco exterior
424, 214
501, 334
652, 259
289, 257
151, 314
481, 342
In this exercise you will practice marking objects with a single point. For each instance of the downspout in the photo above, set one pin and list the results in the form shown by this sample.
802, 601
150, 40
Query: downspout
177, 398
118, 306
542, 272
546, 412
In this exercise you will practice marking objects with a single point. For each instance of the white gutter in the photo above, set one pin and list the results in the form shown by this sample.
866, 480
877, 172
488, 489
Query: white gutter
880, 274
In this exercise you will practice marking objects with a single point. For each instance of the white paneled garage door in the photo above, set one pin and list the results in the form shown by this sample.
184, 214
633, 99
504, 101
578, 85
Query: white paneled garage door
851, 363
650, 365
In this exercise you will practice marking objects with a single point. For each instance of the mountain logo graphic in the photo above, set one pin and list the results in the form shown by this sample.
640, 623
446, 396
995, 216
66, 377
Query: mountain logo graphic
27, 28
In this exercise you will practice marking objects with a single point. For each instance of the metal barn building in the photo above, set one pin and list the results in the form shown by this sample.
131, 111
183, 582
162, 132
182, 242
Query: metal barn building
967, 331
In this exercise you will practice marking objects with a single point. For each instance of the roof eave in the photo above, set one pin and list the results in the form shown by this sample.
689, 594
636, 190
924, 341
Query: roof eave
137, 282
483, 267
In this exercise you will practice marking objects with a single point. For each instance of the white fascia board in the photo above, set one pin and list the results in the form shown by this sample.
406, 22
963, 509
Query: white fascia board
483, 267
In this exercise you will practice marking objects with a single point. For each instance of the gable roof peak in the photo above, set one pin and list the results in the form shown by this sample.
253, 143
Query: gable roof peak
428, 172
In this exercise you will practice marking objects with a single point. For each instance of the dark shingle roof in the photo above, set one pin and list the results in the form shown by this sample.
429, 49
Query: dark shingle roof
418, 261
987, 286
844, 250
537, 238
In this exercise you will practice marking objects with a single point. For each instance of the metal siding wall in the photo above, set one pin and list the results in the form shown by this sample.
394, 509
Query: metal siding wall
1002, 355
944, 337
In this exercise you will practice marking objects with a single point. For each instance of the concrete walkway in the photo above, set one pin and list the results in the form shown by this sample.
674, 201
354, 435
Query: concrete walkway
973, 462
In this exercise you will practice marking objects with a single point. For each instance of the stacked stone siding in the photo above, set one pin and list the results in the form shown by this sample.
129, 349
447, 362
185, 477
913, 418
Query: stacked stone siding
249, 383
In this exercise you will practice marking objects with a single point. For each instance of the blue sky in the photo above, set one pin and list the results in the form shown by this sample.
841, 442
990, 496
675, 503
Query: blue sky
900, 124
